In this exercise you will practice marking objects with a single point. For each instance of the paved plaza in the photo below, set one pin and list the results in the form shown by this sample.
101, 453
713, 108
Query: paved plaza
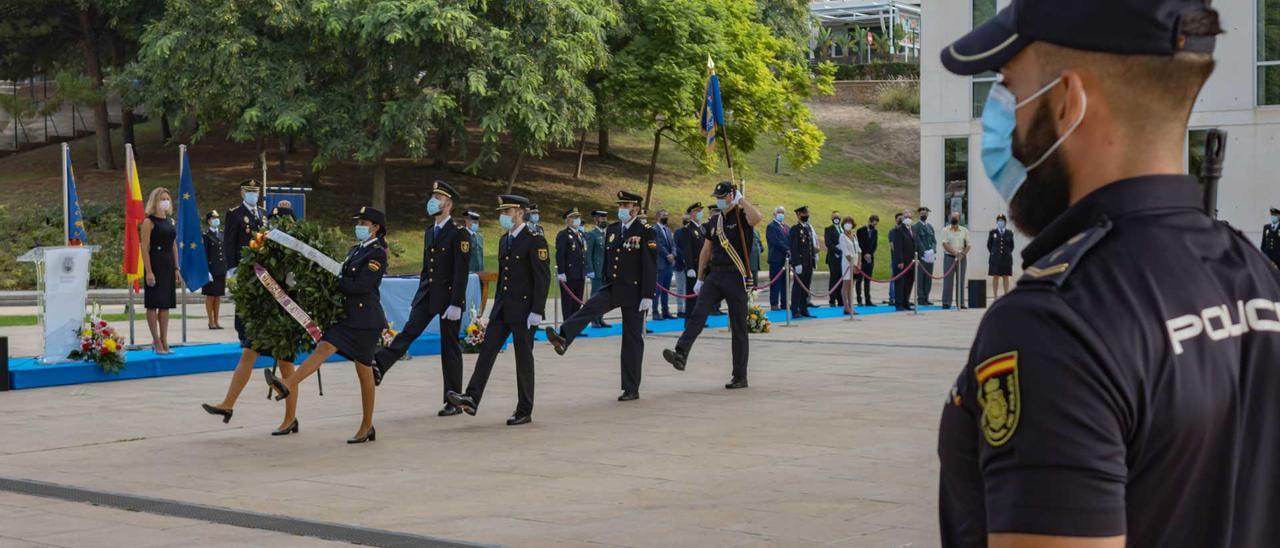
833, 444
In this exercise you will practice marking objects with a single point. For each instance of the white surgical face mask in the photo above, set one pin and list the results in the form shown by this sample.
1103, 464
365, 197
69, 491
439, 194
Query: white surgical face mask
475, 227
215, 223
251, 197
577, 223
624, 214
779, 217
848, 227
165, 205
906, 221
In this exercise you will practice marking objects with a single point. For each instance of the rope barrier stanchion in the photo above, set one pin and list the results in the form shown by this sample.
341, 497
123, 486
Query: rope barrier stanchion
915, 310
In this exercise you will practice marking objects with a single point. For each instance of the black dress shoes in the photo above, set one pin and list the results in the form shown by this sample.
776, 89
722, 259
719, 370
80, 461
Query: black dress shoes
226, 413
281, 390
371, 435
556, 340
292, 429
449, 410
736, 383
462, 401
675, 357
629, 396
519, 419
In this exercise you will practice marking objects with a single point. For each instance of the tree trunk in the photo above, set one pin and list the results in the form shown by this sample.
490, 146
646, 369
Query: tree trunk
284, 151
166, 133
602, 135
380, 184
444, 141
309, 174
101, 121
582, 151
126, 120
259, 158
290, 144
515, 172
653, 167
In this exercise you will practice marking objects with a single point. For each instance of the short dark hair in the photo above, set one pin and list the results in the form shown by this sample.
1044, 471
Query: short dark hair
874, 219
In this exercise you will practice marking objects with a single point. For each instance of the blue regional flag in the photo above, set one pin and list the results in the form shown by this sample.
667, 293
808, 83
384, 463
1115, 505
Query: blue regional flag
195, 266
712, 109
76, 234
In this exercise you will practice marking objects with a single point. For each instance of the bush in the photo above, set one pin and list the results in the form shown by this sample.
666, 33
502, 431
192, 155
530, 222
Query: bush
878, 71
24, 228
901, 96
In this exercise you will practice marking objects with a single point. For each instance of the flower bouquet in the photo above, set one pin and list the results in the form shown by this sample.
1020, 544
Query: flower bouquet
388, 335
757, 319
99, 343
473, 335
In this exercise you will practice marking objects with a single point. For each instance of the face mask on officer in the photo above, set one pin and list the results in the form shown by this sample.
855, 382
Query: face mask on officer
577, 223
700, 216
1000, 225
722, 204
506, 221
362, 232
601, 222
215, 223
624, 214
1033, 206
804, 218
1275, 219
924, 217
534, 218
906, 221
434, 205
251, 198
475, 227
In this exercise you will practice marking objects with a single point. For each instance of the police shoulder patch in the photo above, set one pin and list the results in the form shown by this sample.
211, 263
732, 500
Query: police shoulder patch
542, 254
1054, 268
375, 265
999, 397
465, 245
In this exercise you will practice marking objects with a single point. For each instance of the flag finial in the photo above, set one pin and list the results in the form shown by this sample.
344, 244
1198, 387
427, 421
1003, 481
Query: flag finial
711, 65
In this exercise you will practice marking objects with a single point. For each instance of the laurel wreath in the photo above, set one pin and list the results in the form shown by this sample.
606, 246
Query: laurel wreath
271, 331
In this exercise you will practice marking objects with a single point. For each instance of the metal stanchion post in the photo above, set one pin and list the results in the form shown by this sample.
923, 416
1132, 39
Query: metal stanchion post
183, 295
915, 310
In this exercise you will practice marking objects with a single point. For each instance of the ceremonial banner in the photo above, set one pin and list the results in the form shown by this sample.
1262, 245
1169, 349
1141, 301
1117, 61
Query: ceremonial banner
75, 233
195, 264
286, 302
316, 256
134, 212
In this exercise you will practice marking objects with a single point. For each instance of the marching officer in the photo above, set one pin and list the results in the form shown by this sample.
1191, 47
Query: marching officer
518, 307
1000, 255
442, 291
595, 256
217, 258
571, 261
722, 274
1271, 238
689, 240
630, 282
1123, 393
802, 262
477, 242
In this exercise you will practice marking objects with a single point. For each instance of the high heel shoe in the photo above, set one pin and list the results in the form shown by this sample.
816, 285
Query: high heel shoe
282, 391
226, 413
371, 435
292, 429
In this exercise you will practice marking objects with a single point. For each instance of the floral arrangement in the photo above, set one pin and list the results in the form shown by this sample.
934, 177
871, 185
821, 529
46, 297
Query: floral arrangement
757, 319
388, 335
473, 335
99, 343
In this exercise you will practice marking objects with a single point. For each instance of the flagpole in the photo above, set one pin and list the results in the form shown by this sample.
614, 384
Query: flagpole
66, 228
129, 284
182, 161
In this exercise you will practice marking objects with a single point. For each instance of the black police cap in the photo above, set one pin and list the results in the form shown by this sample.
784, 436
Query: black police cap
506, 201
374, 216
250, 185
572, 212
803, 209
532, 206
1132, 27
1274, 211
599, 213
471, 214
625, 197
723, 188
213, 214
1001, 217
444, 189
692, 207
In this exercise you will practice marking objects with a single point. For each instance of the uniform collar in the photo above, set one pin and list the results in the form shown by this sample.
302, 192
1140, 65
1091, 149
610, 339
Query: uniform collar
516, 232
1116, 200
627, 225
368, 242
441, 222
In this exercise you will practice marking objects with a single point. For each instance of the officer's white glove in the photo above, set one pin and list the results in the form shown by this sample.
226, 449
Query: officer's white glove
646, 304
484, 322
697, 287
453, 313
691, 273
737, 197
799, 269
591, 275
562, 277
534, 319
231, 273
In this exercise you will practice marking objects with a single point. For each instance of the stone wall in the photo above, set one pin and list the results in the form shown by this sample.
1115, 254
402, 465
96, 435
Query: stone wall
853, 92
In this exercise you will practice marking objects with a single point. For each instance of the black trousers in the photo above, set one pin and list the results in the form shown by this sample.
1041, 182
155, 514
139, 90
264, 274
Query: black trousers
727, 286
800, 298
632, 333
903, 287
862, 285
691, 302
522, 339
450, 346
777, 291
567, 305
837, 296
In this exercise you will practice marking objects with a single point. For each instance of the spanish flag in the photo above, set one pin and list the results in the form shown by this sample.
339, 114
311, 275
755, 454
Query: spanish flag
133, 214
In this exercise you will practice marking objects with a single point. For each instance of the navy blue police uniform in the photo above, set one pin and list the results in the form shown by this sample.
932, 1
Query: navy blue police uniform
1271, 239
524, 270
1000, 251
571, 262
1127, 385
689, 239
217, 258
631, 274
357, 334
446, 256
242, 222
803, 259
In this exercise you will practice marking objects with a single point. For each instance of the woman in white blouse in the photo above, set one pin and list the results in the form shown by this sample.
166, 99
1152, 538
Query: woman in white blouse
850, 252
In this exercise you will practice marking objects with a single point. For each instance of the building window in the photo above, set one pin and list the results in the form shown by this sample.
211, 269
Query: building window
1268, 58
983, 10
1195, 153
955, 173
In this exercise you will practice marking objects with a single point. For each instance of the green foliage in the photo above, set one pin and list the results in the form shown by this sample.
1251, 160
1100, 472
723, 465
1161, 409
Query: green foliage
902, 96
878, 71
659, 72
27, 227
789, 20
315, 289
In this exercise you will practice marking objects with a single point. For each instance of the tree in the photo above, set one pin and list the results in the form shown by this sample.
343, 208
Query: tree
823, 41
789, 20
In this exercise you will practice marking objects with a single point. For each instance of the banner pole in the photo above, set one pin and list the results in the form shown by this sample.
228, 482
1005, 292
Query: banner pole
182, 161
66, 228
128, 175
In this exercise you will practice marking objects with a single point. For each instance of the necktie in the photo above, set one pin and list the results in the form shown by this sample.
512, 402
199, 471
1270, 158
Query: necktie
435, 232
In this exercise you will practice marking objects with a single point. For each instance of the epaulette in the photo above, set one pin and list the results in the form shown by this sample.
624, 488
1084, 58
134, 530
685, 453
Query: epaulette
644, 221
1054, 268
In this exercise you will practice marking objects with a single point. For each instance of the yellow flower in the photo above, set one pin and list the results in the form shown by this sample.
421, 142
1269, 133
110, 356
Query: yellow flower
109, 345
86, 333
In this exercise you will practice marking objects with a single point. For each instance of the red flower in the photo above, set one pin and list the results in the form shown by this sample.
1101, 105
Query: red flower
84, 347
102, 323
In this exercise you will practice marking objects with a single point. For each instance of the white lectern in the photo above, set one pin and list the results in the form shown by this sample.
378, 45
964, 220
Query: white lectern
62, 289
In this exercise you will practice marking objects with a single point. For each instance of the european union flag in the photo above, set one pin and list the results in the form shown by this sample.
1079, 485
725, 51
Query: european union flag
195, 265
76, 234
712, 109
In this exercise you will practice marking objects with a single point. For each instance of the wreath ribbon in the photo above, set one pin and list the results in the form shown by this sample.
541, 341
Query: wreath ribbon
316, 256
285, 301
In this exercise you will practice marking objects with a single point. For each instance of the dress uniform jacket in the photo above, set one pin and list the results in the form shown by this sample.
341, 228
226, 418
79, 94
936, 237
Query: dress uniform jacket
477, 251
445, 260
524, 277
359, 282
1000, 252
571, 254
242, 221
1271, 243
689, 244
214, 253
801, 244
630, 258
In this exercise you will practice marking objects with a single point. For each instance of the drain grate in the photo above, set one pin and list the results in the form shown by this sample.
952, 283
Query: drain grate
226, 516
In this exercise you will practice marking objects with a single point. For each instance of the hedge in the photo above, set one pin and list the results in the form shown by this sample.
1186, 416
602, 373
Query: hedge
878, 71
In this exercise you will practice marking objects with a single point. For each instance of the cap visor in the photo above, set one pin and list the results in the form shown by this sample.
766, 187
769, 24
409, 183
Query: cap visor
986, 48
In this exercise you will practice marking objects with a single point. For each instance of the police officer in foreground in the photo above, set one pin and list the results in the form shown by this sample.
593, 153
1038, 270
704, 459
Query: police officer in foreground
1271, 238
442, 291
1124, 392
518, 307
571, 261
722, 274
631, 266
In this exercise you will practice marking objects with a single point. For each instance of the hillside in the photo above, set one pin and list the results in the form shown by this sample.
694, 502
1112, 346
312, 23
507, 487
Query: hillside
870, 164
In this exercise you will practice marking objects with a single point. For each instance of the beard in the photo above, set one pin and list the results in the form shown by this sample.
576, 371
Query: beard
1045, 194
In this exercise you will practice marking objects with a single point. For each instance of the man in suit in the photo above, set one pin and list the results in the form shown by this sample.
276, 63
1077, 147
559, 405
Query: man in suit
518, 308
442, 291
777, 234
630, 282
688, 245
802, 262
1271, 238
926, 247
831, 237
868, 238
477, 242
571, 262
595, 256
893, 259
904, 245
666, 265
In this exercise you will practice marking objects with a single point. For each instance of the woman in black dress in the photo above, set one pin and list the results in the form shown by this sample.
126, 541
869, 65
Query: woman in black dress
1000, 256
160, 261
356, 336
217, 286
